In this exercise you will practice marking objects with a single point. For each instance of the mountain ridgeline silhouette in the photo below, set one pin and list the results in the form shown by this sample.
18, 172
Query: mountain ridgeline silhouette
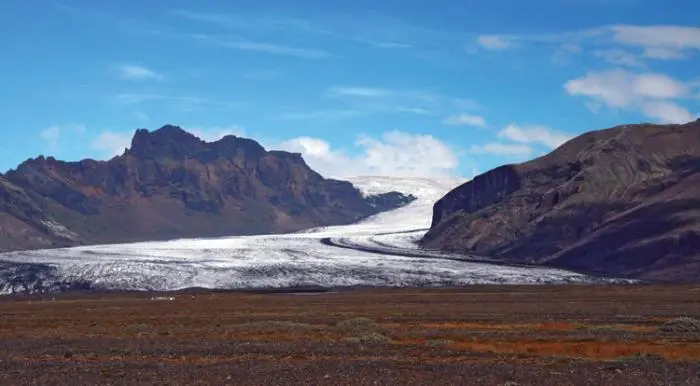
622, 201
171, 184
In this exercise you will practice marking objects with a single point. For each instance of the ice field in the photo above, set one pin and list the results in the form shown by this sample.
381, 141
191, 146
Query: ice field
378, 251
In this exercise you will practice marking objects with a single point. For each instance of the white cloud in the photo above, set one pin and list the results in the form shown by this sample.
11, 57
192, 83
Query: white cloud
502, 149
53, 134
659, 86
257, 46
667, 112
493, 42
614, 87
663, 53
275, 49
660, 41
619, 57
565, 53
534, 134
521, 142
622, 89
395, 153
136, 98
361, 91
213, 134
326, 116
111, 143
363, 100
465, 119
260, 74
383, 44
136, 72
141, 116
411, 110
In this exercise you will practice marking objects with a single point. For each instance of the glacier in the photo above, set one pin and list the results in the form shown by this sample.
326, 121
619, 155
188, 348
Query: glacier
378, 251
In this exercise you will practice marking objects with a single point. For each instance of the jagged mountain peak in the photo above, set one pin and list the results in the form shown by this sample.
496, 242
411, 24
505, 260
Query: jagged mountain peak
172, 184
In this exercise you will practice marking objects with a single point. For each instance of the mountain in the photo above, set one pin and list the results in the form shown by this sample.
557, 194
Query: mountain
379, 250
170, 184
622, 201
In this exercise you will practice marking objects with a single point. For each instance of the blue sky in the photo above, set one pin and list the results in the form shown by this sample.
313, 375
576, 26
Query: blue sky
388, 87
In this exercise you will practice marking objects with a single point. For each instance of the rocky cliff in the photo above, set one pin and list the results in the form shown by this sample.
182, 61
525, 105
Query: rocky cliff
171, 184
622, 201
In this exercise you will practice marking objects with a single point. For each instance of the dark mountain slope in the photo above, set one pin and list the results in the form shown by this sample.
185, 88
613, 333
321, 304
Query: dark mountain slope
170, 184
621, 201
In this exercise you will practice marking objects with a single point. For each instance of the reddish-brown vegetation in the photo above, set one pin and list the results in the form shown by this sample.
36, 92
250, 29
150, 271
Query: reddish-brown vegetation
480, 335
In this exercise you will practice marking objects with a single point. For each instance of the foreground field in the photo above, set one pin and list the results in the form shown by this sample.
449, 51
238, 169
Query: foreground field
491, 335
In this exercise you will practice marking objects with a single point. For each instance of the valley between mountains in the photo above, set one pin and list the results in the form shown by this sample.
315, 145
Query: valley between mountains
614, 203
380, 250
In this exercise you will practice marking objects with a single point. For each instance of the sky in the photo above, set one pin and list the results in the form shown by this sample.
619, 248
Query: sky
392, 87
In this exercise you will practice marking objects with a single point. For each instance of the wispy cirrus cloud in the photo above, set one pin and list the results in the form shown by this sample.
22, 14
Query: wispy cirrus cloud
619, 57
137, 72
398, 100
254, 23
56, 135
136, 98
319, 115
268, 43
264, 47
465, 119
176, 102
384, 44
361, 91
377, 35
517, 150
242, 44
356, 101
262, 74
493, 42
620, 45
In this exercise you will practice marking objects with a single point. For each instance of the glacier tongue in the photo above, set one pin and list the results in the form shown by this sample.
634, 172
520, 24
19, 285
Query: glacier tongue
378, 251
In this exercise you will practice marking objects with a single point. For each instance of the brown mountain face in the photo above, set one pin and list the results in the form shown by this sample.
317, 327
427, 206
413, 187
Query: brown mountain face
622, 201
170, 184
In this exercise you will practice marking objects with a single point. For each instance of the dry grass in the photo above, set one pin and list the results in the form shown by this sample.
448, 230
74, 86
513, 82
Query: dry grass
473, 329
592, 350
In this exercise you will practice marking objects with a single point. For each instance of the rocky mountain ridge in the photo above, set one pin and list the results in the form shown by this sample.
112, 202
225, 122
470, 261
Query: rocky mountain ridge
622, 201
171, 184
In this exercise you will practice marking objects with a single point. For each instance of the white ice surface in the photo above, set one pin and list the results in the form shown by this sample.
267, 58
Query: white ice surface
378, 251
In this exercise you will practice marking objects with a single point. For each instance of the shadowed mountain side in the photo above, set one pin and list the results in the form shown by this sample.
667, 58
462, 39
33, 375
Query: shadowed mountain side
170, 184
621, 201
